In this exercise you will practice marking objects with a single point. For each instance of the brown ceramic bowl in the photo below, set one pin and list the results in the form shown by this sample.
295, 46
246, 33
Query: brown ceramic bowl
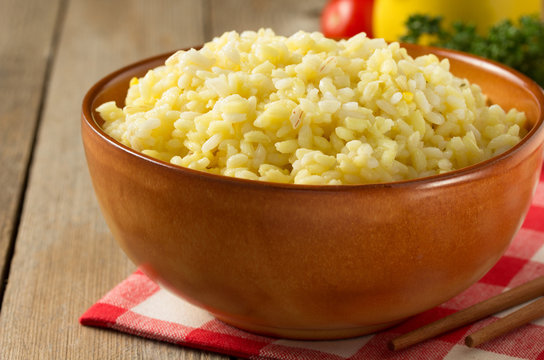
316, 262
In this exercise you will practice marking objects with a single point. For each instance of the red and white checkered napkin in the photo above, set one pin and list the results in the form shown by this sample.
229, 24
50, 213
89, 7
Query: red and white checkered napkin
139, 306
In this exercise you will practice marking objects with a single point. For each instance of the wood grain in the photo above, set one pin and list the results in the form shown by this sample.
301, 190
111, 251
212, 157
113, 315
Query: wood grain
285, 17
65, 258
26, 36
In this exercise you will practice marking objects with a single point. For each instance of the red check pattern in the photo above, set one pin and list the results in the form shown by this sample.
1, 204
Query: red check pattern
140, 307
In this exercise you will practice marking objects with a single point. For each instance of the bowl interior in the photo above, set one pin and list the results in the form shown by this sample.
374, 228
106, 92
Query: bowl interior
115, 86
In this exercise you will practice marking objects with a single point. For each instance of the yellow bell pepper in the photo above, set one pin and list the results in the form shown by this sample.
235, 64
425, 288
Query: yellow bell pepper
389, 16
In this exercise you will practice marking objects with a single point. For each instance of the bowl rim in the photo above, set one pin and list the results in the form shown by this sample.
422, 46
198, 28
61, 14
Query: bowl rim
477, 170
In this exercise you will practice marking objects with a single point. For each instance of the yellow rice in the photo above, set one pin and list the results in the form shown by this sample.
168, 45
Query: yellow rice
306, 109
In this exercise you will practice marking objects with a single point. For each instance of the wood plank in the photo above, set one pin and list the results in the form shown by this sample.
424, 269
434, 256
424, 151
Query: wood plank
65, 258
285, 17
26, 36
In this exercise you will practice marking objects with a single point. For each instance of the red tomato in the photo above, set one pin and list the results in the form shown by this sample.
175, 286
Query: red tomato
345, 18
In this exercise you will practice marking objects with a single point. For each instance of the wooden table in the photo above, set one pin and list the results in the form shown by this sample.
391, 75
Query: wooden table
57, 256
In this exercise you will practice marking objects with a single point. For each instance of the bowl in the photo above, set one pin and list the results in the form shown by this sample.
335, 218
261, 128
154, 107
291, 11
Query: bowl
316, 262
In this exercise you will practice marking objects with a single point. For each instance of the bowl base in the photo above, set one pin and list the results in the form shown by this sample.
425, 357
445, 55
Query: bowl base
309, 334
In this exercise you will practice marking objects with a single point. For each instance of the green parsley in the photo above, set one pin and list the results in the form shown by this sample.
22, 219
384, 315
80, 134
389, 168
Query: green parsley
520, 45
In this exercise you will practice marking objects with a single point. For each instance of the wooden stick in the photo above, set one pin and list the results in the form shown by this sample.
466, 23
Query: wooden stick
507, 299
514, 320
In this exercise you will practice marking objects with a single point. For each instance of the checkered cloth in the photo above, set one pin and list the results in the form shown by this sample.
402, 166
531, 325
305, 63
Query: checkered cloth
139, 306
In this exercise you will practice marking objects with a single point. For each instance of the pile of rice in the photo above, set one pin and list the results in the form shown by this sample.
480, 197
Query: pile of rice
310, 110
